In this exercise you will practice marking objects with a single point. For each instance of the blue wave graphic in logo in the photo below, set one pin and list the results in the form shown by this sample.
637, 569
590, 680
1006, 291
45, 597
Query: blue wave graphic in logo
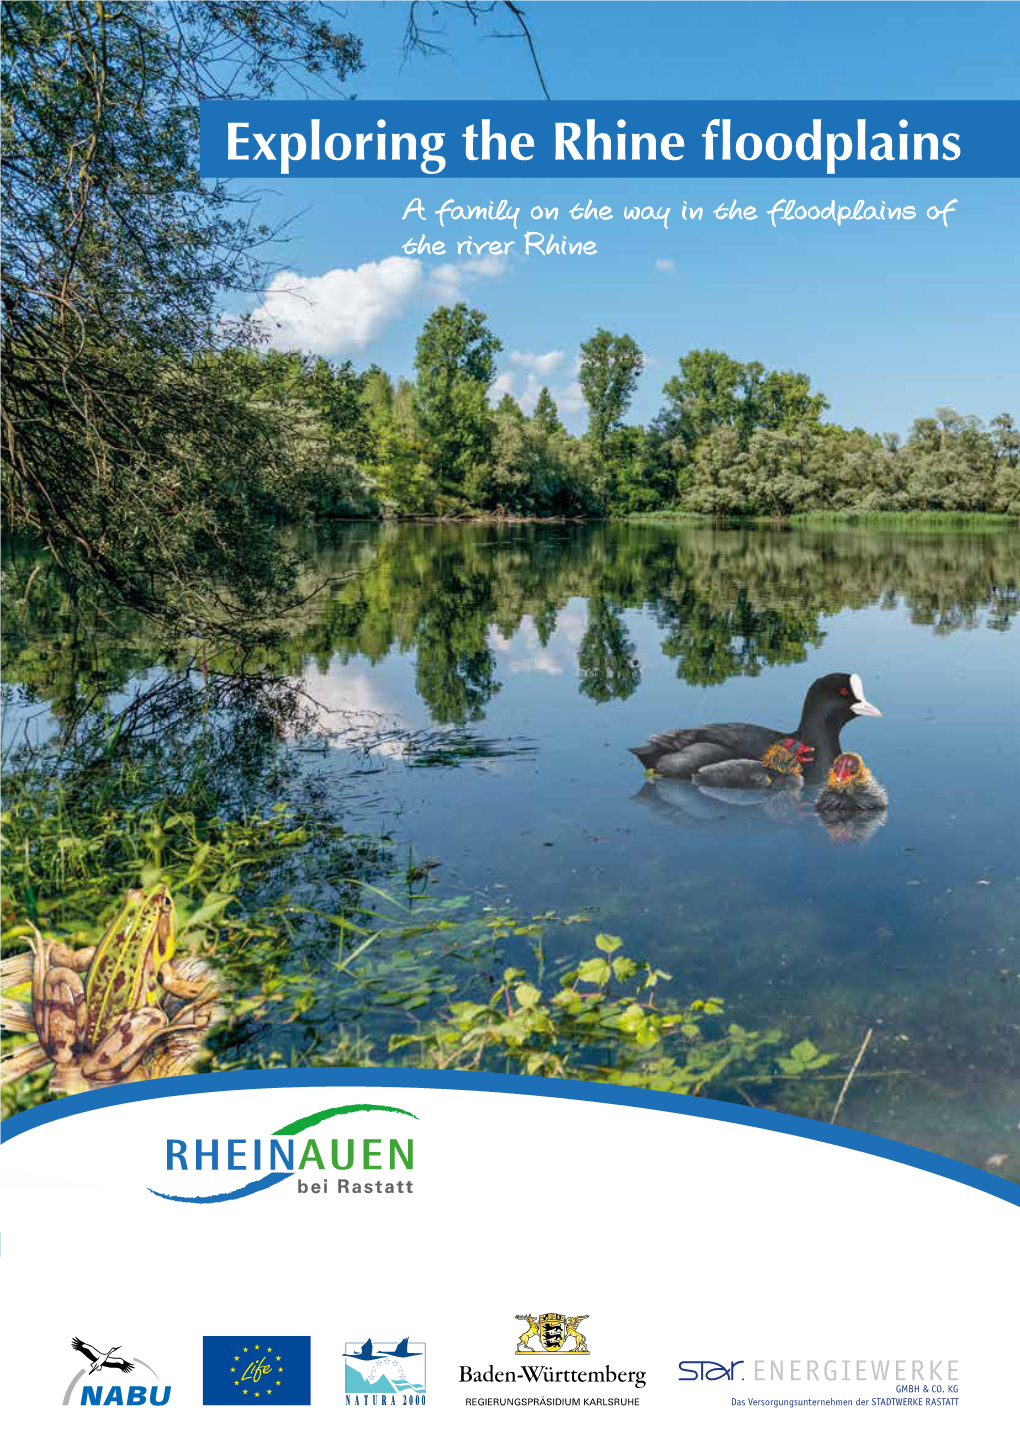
258, 1185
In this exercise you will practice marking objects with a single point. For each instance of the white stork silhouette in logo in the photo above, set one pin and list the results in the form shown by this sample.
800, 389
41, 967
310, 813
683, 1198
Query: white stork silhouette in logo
99, 1358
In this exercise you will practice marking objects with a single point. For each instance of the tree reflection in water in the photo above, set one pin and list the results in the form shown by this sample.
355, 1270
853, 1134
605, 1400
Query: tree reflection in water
728, 602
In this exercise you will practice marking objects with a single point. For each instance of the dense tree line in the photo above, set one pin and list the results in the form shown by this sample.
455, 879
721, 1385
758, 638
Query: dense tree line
732, 439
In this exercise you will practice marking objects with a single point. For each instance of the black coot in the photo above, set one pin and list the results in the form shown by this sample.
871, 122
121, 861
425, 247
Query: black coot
830, 703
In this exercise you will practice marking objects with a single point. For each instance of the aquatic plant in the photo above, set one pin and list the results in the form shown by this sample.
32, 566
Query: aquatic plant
600, 1023
320, 965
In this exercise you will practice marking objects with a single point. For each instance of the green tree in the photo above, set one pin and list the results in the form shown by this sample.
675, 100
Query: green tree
401, 471
611, 366
136, 462
139, 470
777, 400
712, 389
638, 480
455, 363
1006, 439
546, 415
702, 396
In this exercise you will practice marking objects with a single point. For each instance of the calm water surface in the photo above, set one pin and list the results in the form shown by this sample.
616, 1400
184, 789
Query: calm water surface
568, 644
577, 642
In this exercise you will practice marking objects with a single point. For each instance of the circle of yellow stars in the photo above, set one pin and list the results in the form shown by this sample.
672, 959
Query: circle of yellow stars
269, 1353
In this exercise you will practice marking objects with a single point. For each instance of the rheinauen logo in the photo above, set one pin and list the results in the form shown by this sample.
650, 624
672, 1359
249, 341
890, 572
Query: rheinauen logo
279, 1157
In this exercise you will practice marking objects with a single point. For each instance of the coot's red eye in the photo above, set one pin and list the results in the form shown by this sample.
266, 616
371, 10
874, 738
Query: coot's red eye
843, 691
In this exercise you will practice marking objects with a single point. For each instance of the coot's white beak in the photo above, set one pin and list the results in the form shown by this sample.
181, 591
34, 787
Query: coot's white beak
860, 706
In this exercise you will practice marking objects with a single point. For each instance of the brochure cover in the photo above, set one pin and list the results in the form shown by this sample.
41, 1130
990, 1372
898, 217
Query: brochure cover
511, 579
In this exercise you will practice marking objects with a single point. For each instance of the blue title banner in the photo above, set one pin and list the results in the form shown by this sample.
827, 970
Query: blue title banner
652, 138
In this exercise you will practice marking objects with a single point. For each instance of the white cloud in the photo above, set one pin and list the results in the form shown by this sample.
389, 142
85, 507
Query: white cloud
359, 706
444, 281
447, 281
489, 267
569, 398
347, 309
573, 623
665, 266
530, 393
525, 653
339, 311
544, 665
502, 386
542, 365
527, 388
529, 371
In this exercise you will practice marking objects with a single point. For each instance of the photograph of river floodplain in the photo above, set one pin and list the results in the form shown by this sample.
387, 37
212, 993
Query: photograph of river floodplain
599, 670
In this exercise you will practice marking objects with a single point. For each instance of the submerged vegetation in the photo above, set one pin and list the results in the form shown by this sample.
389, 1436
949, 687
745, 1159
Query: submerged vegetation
321, 966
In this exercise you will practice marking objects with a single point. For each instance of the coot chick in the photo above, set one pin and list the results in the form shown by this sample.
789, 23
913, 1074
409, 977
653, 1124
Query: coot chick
830, 703
849, 788
781, 767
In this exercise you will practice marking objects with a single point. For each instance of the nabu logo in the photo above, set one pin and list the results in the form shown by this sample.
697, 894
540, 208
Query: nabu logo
96, 1394
552, 1330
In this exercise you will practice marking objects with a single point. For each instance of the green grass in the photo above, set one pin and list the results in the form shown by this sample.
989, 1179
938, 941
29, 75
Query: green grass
822, 520
670, 517
905, 520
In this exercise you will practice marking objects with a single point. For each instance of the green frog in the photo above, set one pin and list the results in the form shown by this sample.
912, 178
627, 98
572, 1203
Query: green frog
124, 974
97, 1031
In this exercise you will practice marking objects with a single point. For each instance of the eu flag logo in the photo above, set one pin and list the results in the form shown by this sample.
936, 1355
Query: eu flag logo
257, 1371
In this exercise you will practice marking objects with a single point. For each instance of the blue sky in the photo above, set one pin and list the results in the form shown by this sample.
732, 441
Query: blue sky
890, 320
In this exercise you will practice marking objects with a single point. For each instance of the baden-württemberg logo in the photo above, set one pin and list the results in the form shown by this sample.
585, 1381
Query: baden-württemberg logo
104, 1391
384, 1373
556, 1335
278, 1157
552, 1330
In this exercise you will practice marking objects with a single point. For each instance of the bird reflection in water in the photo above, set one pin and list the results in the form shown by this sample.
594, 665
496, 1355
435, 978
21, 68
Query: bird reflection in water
851, 806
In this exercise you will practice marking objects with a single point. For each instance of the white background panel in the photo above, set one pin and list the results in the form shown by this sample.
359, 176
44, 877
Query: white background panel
679, 1237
